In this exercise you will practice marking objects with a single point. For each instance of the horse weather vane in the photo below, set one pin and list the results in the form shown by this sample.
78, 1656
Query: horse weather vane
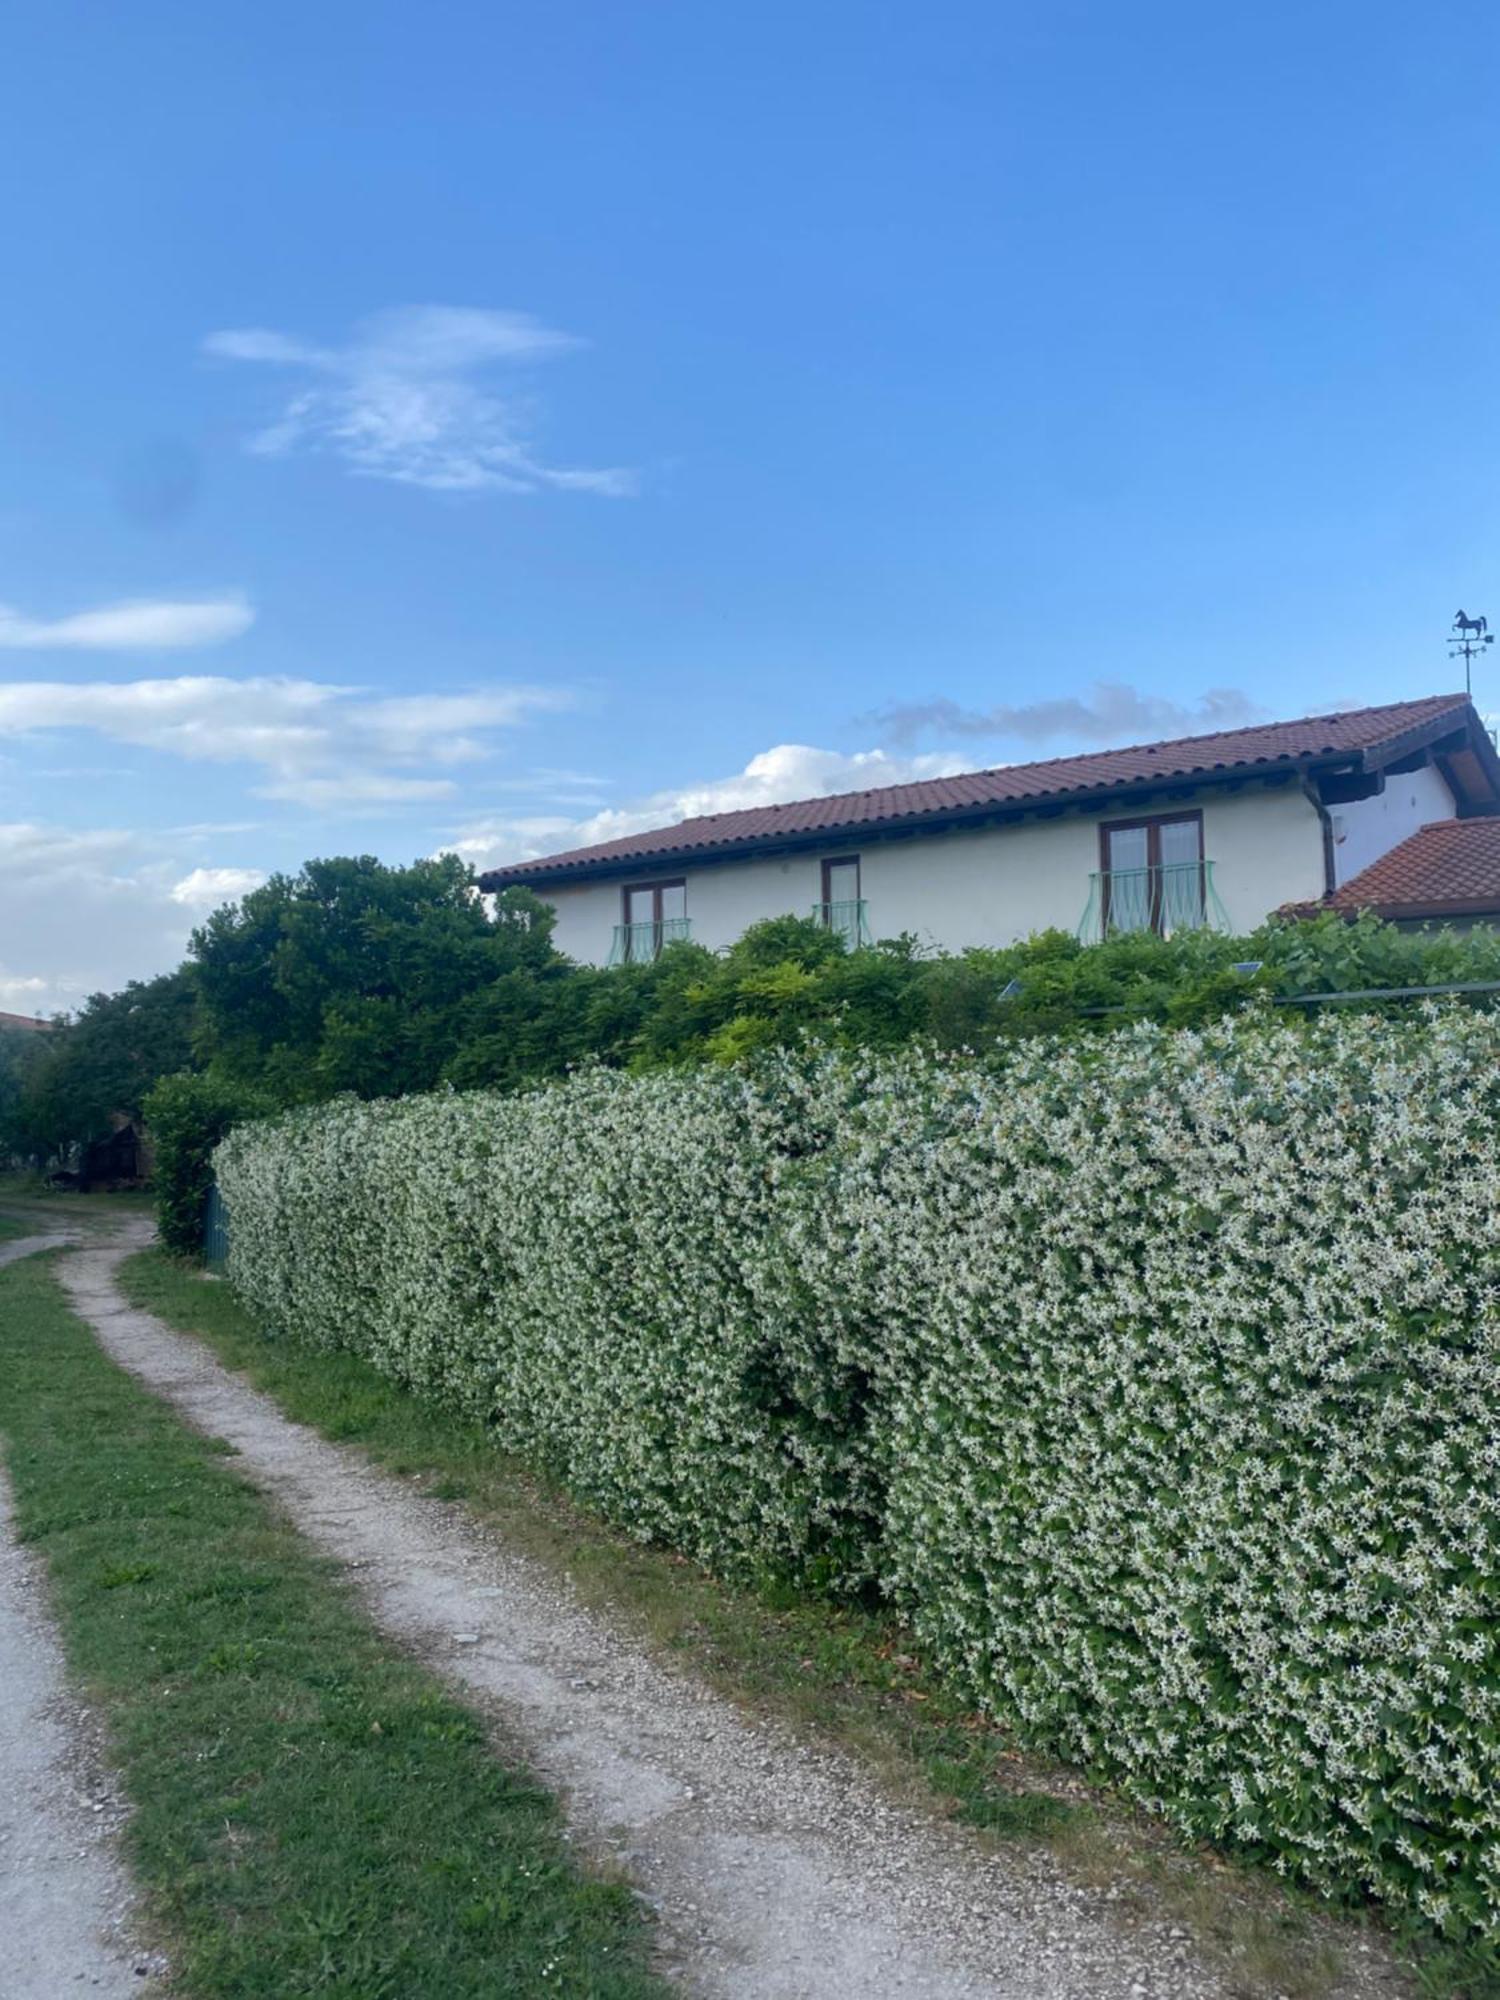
1468, 638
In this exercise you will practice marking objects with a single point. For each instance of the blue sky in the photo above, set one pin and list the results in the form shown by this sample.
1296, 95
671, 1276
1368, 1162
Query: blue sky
509, 423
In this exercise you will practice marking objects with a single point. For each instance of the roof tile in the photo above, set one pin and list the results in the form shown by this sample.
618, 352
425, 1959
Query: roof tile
1185, 757
28, 1022
1448, 862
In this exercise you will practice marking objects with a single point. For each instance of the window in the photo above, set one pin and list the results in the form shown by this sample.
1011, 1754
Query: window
841, 909
1152, 873
654, 913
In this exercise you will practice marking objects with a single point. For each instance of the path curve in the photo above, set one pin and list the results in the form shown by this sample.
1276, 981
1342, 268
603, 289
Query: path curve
64, 1899
32, 1246
778, 1871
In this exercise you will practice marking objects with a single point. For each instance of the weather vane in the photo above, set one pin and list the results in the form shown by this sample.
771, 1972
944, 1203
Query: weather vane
1469, 638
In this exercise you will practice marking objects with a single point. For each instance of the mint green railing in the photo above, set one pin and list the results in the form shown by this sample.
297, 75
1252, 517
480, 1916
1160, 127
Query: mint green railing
848, 919
638, 944
1177, 896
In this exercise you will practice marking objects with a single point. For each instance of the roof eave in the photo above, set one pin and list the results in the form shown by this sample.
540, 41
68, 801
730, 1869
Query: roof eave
1460, 714
1481, 743
529, 874
1392, 911
1461, 717
1465, 906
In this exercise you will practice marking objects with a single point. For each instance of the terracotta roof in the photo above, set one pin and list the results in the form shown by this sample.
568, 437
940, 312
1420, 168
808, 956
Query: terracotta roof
1451, 866
28, 1021
1355, 736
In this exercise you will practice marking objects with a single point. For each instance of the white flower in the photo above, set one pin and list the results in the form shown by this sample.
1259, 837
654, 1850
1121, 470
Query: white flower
1154, 1381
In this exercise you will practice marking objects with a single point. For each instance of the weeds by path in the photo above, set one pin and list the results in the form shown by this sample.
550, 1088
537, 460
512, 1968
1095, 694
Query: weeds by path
838, 1672
313, 1814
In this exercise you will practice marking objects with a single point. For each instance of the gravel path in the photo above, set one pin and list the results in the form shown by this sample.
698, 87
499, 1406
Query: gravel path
64, 1900
29, 1246
778, 1872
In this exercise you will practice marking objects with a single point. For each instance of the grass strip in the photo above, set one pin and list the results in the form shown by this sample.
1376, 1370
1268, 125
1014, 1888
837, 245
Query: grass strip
837, 1672
817, 1663
313, 1813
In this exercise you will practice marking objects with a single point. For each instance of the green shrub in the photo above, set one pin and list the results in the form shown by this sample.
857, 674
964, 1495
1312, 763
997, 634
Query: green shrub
787, 982
186, 1116
1155, 1377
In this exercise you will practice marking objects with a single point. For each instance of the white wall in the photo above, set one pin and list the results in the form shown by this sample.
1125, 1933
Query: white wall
586, 915
989, 886
1362, 832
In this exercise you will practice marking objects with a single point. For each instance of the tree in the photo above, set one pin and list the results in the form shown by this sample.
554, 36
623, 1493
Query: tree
78, 1080
22, 1051
353, 975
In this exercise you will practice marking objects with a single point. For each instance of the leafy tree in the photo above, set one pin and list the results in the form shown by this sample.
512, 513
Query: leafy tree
88, 1072
352, 975
21, 1052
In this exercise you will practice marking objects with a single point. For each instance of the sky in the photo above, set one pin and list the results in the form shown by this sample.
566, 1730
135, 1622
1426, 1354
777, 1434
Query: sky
493, 427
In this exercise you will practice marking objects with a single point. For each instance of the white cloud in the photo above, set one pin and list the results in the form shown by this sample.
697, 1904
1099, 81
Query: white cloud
313, 742
400, 400
15, 989
82, 912
206, 888
789, 771
141, 625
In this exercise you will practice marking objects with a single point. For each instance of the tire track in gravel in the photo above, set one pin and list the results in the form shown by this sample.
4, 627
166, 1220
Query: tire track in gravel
65, 1901
777, 1871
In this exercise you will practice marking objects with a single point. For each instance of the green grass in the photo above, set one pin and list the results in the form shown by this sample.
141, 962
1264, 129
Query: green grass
835, 1673
28, 1207
313, 1813
814, 1662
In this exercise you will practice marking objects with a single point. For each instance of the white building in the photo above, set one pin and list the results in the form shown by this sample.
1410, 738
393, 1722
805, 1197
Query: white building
1220, 829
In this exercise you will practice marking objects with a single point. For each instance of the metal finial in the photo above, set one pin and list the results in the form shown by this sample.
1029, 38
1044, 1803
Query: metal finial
1469, 638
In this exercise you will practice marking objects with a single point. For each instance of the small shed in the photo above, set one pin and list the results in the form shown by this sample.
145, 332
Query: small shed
123, 1160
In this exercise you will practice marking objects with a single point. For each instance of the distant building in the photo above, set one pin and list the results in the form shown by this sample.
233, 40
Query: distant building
1218, 830
23, 1024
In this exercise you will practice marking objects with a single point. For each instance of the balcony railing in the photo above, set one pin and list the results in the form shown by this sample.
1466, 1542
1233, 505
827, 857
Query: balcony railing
847, 919
638, 944
1177, 896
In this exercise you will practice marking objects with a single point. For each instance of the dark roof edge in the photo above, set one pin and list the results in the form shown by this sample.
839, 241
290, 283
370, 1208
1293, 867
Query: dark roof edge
1482, 744
1413, 912
1422, 734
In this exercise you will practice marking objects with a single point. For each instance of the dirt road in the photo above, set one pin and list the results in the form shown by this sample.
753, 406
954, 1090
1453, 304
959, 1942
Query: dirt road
778, 1872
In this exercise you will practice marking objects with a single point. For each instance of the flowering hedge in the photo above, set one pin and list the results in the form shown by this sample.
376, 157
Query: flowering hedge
1156, 1381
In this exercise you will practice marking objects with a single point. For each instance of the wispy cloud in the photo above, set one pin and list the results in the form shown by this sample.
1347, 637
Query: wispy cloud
1113, 712
312, 742
356, 791
139, 625
788, 771
402, 399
